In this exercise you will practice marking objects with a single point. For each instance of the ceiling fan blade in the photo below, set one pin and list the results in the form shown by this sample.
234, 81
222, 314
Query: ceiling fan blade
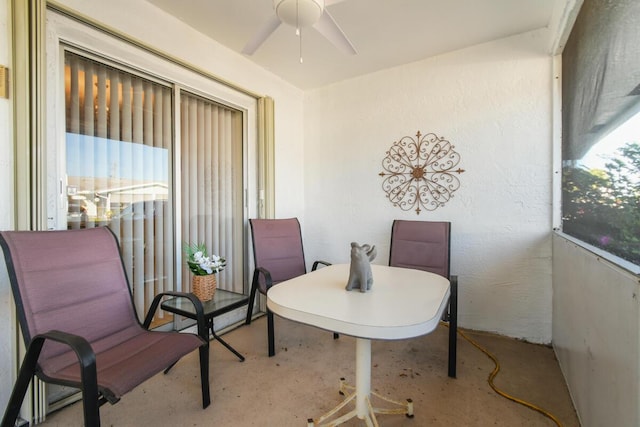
331, 31
263, 33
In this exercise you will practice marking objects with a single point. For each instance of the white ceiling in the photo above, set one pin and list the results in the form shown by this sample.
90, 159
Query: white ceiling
386, 33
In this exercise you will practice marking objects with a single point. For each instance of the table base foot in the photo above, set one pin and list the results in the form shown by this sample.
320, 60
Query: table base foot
349, 391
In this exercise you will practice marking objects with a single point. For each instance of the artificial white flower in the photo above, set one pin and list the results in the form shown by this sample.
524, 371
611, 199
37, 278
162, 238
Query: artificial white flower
200, 263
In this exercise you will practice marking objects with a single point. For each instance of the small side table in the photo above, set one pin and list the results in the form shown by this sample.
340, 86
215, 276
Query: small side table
223, 301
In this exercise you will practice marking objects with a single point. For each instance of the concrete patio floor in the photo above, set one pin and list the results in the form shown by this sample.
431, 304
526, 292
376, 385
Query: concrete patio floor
301, 381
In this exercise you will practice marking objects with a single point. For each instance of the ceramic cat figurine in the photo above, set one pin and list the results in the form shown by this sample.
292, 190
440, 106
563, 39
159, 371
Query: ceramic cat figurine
360, 271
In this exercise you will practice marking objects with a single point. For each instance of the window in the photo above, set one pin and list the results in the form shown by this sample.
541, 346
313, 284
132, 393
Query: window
601, 203
601, 129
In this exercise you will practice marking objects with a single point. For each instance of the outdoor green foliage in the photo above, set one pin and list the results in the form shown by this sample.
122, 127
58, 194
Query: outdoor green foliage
602, 207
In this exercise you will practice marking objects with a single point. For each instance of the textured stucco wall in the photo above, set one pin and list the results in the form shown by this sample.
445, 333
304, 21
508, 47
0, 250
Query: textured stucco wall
493, 102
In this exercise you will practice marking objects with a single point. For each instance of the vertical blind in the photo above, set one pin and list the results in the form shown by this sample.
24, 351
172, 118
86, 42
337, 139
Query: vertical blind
211, 184
118, 157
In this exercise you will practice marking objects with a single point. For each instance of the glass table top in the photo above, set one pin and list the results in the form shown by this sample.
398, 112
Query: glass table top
222, 302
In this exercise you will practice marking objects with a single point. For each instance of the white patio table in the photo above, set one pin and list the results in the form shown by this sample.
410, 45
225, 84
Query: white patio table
403, 303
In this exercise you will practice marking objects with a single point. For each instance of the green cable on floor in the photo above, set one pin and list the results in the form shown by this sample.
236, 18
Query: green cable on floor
500, 392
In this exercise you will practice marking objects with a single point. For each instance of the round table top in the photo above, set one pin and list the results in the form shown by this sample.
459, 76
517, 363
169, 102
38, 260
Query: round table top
402, 303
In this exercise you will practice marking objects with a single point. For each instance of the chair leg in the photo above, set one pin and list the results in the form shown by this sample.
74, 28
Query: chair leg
90, 400
453, 327
270, 332
204, 374
27, 371
252, 298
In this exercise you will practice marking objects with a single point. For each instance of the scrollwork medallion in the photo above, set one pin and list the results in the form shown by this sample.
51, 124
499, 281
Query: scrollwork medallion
421, 173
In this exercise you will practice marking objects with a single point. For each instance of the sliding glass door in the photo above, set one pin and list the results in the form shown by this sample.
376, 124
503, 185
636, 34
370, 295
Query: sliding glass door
160, 152
211, 183
125, 134
119, 138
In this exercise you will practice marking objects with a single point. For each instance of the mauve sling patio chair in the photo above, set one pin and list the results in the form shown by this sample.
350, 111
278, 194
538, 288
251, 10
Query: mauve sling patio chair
79, 323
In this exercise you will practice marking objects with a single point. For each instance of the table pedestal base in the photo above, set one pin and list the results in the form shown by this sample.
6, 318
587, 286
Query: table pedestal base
362, 395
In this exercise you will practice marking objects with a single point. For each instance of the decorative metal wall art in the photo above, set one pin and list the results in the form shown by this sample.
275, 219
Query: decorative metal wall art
420, 173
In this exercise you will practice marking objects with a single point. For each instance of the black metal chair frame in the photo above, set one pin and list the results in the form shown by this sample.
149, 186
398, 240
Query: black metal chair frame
268, 283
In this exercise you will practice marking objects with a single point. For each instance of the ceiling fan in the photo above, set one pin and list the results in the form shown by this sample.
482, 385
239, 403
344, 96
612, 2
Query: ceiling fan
301, 14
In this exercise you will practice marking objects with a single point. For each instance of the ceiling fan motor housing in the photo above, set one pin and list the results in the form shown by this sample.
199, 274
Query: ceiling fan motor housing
299, 13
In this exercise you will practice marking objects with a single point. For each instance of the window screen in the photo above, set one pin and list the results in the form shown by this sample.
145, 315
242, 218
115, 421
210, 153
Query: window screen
601, 128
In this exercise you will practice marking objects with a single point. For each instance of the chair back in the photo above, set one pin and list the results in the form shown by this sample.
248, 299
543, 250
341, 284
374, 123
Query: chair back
277, 247
73, 281
422, 245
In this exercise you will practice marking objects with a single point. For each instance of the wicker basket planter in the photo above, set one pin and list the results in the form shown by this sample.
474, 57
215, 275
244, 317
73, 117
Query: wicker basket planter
204, 287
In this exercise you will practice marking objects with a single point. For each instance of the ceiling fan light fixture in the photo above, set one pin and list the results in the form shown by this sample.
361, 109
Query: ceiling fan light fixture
299, 13
302, 14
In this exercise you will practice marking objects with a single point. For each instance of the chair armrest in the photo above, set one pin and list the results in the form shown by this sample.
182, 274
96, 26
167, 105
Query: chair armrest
86, 359
267, 277
89, 376
197, 304
315, 264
